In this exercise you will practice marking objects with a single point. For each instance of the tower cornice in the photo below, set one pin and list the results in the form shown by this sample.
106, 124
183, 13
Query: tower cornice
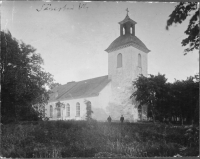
127, 19
128, 45
125, 41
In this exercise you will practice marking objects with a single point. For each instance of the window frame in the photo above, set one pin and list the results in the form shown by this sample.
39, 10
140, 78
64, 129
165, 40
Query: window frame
67, 110
59, 112
119, 60
139, 60
78, 109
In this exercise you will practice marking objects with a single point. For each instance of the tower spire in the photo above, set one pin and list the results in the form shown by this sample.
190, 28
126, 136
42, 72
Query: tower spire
127, 26
127, 11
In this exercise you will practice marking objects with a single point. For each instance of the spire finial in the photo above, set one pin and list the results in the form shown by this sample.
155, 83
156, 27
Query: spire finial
127, 11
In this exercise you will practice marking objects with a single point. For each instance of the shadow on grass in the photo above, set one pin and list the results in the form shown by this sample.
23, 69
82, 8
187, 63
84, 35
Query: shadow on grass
53, 139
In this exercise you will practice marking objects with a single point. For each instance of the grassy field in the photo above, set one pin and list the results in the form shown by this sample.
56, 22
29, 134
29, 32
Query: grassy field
53, 139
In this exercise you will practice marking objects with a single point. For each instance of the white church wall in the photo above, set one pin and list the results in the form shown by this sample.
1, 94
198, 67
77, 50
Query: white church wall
144, 57
72, 104
129, 67
98, 103
100, 111
121, 84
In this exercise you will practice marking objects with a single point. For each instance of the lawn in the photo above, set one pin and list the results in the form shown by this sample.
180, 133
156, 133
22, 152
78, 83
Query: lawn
53, 139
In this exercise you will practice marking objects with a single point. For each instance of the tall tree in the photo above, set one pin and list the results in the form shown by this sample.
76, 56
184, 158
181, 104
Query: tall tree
178, 100
88, 110
23, 80
180, 13
150, 91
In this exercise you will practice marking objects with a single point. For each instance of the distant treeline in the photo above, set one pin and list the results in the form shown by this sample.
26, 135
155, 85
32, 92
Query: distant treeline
171, 102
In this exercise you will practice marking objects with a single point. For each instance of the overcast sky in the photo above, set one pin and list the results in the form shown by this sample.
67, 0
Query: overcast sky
72, 38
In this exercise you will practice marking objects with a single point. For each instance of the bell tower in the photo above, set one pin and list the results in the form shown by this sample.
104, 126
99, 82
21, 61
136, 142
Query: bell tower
127, 58
127, 26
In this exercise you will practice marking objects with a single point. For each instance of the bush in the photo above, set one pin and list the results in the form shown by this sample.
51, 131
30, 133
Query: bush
53, 139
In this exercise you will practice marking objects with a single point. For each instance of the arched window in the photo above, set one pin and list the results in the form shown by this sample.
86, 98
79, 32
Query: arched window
88, 109
51, 111
68, 110
119, 60
131, 30
123, 31
139, 71
58, 112
77, 109
139, 61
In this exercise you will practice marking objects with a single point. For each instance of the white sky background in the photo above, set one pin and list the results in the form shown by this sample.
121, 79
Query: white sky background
72, 42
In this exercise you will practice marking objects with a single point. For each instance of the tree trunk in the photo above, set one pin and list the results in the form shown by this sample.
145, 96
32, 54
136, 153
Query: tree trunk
153, 116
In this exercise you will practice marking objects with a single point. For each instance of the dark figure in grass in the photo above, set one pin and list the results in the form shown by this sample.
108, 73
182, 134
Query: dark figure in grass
122, 119
109, 119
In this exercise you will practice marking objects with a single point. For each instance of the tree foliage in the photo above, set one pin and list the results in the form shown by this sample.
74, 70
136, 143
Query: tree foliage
168, 101
150, 91
23, 80
88, 110
180, 13
54, 85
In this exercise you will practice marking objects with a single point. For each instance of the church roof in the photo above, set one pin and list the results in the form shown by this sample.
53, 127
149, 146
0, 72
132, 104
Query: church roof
81, 89
127, 19
127, 40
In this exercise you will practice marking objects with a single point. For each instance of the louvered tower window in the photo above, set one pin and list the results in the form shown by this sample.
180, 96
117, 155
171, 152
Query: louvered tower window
139, 61
119, 60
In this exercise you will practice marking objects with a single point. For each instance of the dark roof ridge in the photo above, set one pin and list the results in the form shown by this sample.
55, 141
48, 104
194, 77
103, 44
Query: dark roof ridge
123, 40
91, 78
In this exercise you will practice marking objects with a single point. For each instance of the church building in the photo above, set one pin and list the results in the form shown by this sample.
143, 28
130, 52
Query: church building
109, 94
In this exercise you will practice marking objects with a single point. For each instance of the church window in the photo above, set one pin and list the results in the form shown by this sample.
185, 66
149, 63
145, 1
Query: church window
77, 109
139, 71
58, 112
131, 30
51, 111
68, 110
119, 60
123, 30
139, 61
